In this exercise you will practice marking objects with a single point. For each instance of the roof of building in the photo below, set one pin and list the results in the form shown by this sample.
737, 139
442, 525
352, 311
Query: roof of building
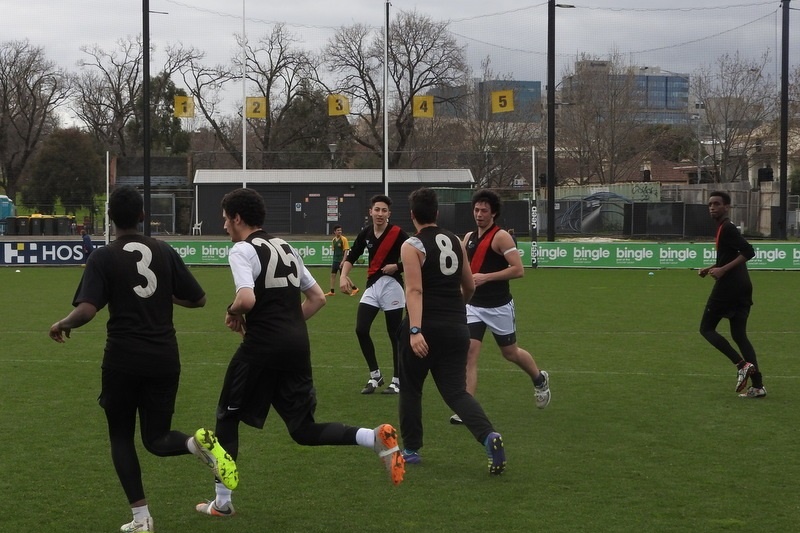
155, 181
295, 176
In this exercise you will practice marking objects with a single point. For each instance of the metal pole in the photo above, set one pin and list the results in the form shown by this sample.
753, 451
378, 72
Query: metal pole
106, 225
784, 122
146, 112
551, 120
534, 213
244, 101
385, 175
699, 147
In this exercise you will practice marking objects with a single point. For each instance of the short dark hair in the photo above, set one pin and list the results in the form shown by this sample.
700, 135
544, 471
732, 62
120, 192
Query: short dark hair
424, 205
246, 203
490, 197
125, 207
337, 226
726, 198
380, 198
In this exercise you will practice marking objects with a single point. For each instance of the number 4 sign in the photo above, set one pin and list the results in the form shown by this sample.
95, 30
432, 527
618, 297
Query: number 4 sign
423, 106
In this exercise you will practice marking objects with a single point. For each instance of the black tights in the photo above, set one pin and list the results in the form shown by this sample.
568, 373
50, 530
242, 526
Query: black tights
364, 319
738, 325
307, 434
157, 437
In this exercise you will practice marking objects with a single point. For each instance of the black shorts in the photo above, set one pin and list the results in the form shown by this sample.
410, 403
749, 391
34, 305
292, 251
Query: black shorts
122, 391
336, 266
250, 389
729, 310
478, 329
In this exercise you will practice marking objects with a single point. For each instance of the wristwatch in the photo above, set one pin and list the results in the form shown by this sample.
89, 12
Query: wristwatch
414, 330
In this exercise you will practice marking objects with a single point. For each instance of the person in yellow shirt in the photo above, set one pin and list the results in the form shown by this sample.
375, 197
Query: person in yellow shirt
340, 247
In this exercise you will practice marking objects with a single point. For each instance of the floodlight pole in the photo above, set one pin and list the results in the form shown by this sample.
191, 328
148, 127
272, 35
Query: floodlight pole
385, 174
551, 120
784, 134
146, 112
106, 224
244, 101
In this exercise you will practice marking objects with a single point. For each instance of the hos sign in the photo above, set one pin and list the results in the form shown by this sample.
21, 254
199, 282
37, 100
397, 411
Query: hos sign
42, 253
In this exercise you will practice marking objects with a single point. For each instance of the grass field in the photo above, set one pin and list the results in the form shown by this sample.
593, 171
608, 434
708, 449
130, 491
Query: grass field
644, 432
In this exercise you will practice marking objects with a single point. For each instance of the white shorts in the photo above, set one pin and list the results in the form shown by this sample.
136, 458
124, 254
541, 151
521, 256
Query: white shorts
386, 294
500, 320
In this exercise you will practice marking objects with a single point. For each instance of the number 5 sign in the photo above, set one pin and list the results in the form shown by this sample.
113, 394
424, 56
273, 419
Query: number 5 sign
256, 107
502, 101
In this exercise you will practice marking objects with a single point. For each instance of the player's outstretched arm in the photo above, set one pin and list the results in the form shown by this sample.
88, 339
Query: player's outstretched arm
79, 316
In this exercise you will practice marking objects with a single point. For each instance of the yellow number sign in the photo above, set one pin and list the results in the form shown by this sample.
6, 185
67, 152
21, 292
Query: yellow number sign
184, 107
256, 107
423, 106
502, 101
338, 105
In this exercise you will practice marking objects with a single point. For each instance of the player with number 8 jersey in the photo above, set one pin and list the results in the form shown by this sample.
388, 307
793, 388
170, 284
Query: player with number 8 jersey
434, 337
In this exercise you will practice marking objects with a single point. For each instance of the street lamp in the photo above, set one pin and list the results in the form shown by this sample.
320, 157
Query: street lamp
332, 148
551, 117
699, 117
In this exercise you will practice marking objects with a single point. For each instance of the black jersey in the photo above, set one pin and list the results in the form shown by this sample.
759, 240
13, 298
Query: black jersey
492, 293
442, 299
137, 276
276, 332
383, 250
735, 286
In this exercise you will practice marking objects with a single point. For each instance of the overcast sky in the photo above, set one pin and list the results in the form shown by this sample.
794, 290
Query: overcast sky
679, 37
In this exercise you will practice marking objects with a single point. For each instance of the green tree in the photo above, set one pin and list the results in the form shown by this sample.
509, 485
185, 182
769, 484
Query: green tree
66, 167
673, 143
166, 133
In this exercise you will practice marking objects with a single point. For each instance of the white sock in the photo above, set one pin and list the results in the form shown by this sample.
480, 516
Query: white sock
191, 445
223, 495
375, 374
366, 438
140, 513
396, 381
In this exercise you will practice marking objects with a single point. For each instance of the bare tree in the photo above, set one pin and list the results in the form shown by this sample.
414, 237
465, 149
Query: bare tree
739, 98
794, 97
284, 74
278, 70
600, 120
500, 143
109, 90
32, 88
206, 85
422, 55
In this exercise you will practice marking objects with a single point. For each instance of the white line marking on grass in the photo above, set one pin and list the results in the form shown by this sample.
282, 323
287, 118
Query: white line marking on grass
510, 370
